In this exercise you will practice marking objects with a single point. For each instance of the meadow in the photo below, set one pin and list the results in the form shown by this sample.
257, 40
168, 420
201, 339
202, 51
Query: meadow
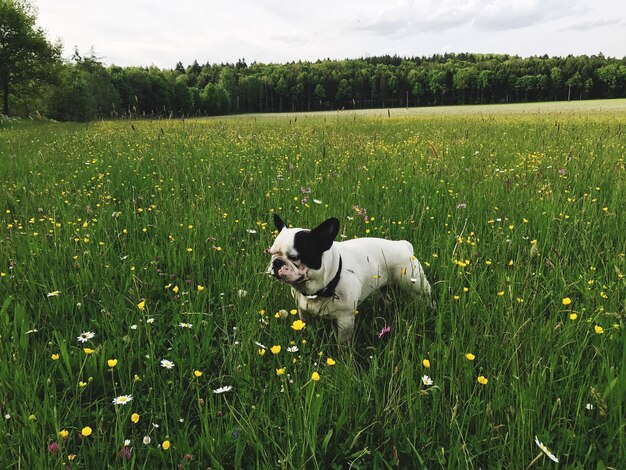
138, 328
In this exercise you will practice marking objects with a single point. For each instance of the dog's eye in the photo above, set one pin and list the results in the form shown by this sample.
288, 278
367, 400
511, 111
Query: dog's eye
292, 258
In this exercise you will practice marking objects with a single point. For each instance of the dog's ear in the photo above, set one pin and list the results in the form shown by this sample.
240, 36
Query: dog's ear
326, 232
278, 222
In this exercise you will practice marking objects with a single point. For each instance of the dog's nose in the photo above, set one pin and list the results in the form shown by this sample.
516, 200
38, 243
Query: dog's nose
276, 265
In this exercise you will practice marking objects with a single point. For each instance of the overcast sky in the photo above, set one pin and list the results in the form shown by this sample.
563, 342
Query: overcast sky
163, 32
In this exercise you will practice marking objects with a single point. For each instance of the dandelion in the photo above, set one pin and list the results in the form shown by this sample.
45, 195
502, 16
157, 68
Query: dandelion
566, 301
330, 361
227, 388
86, 431
315, 377
135, 418
166, 445
167, 364
112, 363
426, 363
482, 380
427, 380
546, 451
298, 325
85, 336
275, 349
470, 357
122, 399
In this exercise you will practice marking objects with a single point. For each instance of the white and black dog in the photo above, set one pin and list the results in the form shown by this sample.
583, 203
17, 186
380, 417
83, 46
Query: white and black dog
330, 279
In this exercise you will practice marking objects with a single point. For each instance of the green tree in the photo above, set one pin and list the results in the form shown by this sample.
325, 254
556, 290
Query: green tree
26, 56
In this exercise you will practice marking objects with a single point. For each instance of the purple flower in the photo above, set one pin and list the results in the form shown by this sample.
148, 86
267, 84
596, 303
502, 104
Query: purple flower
53, 448
386, 329
125, 453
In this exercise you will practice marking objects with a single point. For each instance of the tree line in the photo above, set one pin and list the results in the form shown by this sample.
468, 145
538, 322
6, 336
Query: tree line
83, 88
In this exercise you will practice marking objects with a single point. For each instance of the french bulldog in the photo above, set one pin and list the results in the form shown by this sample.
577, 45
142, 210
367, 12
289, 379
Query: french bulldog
330, 279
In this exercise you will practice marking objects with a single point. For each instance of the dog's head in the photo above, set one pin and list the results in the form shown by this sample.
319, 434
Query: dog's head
297, 252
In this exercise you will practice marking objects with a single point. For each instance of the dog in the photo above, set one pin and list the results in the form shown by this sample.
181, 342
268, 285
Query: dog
330, 279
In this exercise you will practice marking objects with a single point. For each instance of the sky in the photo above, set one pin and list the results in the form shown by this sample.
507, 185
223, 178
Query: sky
164, 32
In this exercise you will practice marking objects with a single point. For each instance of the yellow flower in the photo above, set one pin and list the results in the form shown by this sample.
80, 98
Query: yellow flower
197, 373
573, 316
315, 376
470, 357
82, 384
280, 371
275, 349
55, 357
88, 351
175, 289
141, 305
293, 311
134, 418
567, 301
298, 325
64, 434
598, 329
165, 445
200, 288
261, 352
112, 363
501, 293
86, 431
71, 457
426, 363
330, 361
482, 380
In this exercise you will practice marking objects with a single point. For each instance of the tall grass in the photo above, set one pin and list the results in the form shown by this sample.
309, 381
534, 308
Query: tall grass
131, 229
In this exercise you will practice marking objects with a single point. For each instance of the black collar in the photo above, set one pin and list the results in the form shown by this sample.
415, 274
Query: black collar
329, 290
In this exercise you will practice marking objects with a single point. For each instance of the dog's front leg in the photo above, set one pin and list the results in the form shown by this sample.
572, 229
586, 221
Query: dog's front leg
345, 327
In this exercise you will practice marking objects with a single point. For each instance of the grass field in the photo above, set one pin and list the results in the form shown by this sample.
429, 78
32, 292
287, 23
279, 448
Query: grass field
132, 264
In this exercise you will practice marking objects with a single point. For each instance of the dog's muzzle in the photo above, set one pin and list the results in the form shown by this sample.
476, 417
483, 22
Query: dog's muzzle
276, 265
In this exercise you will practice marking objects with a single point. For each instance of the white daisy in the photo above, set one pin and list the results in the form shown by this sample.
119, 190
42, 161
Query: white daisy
167, 364
127, 442
546, 450
85, 336
227, 388
427, 380
150, 320
122, 399
292, 349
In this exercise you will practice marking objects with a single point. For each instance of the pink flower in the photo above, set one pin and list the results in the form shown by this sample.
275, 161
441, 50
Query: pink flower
386, 329
53, 448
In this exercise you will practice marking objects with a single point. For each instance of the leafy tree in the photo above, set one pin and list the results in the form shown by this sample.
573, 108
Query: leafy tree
26, 56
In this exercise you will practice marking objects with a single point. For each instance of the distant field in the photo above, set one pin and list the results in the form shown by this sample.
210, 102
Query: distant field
617, 106
132, 271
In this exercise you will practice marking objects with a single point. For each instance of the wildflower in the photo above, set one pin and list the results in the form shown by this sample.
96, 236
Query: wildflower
86, 431
165, 445
598, 329
53, 294
241, 293
292, 349
150, 320
330, 361
141, 305
146, 440
197, 373
112, 363
185, 325
482, 380
82, 384
262, 352
386, 329
71, 457
573, 316
298, 325
315, 377
85, 336
293, 311
122, 399
55, 357
64, 434
545, 450
53, 448
227, 388
275, 349
167, 364
566, 301
280, 371
125, 453
88, 351
470, 357
426, 363
589, 406
282, 313
200, 288
501, 293
135, 418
